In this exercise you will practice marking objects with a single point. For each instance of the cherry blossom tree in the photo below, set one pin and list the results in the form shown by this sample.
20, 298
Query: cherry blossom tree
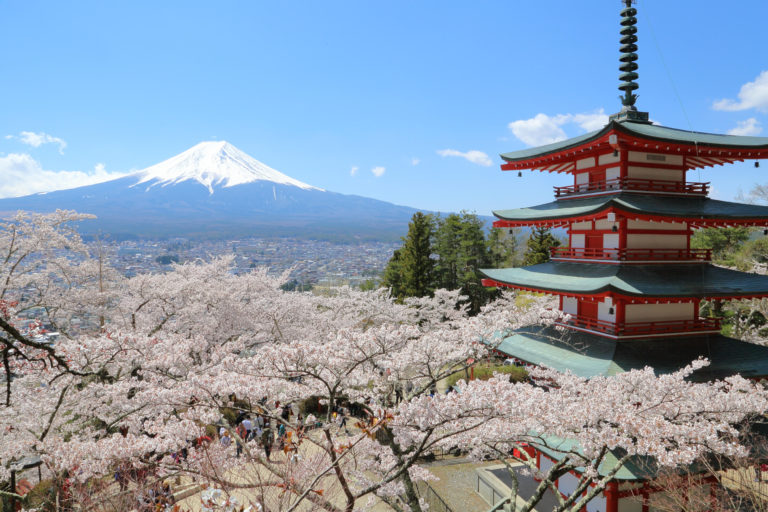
167, 360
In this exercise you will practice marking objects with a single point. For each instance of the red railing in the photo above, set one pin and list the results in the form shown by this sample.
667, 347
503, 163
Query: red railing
580, 253
617, 184
641, 328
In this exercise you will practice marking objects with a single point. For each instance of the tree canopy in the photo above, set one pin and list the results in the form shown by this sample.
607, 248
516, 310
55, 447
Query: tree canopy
180, 356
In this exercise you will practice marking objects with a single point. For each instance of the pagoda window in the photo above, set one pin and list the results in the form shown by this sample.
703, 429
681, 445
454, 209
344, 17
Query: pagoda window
659, 312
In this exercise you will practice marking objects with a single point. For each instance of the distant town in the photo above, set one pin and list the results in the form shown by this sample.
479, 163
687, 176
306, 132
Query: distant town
310, 262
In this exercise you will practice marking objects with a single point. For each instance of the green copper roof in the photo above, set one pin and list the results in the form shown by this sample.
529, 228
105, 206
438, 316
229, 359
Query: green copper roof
588, 355
669, 280
673, 206
646, 131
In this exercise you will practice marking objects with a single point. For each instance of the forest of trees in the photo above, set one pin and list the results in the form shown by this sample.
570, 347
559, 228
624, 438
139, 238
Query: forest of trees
446, 252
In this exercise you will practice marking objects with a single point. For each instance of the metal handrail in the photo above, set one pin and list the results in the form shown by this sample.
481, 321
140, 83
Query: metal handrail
631, 254
674, 187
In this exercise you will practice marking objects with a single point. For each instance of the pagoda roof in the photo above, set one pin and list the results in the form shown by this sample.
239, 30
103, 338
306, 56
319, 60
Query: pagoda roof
706, 148
588, 355
699, 210
661, 281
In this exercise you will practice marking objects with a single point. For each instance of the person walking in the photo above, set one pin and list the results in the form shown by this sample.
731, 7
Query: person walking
248, 425
267, 438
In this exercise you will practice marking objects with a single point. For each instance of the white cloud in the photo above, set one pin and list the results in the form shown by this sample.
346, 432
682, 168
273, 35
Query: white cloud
749, 126
23, 175
38, 139
751, 95
353, 170
415, 161
378, 171
543, 129
474, 156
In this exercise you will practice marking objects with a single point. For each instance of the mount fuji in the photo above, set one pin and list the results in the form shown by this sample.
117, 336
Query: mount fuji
214, 190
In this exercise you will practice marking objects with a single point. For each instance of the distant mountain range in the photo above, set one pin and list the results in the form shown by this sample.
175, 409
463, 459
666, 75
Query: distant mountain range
214, 190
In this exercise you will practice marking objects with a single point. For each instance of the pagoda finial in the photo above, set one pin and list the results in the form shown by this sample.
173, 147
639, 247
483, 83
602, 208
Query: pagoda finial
628, 56
628, 66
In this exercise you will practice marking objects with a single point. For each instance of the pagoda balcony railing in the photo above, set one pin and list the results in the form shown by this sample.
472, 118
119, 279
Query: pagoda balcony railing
581, 253
635, 184
642, 328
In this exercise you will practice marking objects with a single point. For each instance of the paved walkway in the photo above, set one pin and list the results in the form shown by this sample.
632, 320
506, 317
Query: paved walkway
457, 484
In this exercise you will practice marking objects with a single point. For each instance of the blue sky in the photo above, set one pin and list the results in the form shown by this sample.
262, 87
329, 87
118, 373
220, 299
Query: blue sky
425, 93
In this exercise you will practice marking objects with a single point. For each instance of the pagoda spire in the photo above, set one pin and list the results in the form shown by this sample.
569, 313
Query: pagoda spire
628, 56
629, 66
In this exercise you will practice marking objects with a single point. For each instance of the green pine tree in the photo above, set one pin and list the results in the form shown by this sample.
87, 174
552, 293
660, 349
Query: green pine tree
461, 250
410, 272
538, 246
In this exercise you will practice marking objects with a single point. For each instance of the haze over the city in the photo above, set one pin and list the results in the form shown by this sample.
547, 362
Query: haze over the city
404, 102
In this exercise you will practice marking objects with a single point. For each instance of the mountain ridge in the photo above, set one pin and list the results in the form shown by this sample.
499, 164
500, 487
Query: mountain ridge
217, 191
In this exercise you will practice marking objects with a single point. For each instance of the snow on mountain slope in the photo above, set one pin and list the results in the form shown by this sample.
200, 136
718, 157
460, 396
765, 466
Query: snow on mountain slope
214, 163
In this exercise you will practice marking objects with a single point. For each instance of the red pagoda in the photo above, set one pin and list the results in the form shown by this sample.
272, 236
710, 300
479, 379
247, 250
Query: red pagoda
629, 284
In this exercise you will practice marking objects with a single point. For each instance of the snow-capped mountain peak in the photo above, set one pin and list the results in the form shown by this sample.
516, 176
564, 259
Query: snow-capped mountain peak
214, 163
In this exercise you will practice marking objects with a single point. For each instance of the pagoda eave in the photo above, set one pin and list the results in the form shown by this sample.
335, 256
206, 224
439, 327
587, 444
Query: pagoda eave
588, 355
699, 149
620, 295
635, 283
696, 211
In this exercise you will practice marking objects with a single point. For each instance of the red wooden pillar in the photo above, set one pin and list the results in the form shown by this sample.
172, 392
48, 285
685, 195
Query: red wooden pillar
620, 306
611, 493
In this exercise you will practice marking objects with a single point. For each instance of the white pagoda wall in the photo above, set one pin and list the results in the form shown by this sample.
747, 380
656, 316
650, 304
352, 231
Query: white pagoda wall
570, 305
658, 312
603, 309
646, 224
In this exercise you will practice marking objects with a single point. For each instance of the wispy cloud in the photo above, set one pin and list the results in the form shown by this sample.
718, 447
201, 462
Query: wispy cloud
749, 126
751, 95
23, 175
38, 139
474, 156
415, 161
378, 171
544, 129
353, 170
